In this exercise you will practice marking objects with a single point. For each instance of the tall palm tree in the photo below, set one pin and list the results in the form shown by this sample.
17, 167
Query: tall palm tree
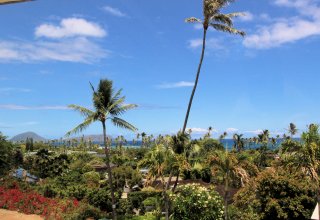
4, 2
212, 17
108, 105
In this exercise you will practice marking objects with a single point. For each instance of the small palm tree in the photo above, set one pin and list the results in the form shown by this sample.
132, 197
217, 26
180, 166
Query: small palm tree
292, 130
227, 165
108, 105
238, 142
212, 17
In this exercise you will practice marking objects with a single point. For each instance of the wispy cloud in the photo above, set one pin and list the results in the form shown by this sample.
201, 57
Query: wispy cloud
8, 90
23, 107
254, 132
211, 43
232, 130
69, 42
114, 11
21, 124
248, 16
156, 107
287, 30
180, 84
70, 27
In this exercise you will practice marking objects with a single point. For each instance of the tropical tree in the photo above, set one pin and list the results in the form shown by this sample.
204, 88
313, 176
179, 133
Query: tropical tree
223, 136
108, 105
238, 142
304, 158
212, 17
229, 167
160, 160
292, 130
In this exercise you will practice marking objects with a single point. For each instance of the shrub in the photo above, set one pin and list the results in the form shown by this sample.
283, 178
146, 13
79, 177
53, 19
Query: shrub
136, 198
151, 201
100, 198
30, 202
193, 201
92, 178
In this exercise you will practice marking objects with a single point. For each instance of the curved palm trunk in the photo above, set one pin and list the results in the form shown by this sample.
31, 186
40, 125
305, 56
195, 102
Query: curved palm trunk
107, 151
196, 81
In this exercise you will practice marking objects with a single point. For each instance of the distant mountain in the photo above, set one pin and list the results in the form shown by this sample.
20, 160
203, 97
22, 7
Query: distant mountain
24, 136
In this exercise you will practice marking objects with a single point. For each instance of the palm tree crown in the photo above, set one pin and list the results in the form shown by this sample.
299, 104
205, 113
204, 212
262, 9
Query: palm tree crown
108, 105
213, 17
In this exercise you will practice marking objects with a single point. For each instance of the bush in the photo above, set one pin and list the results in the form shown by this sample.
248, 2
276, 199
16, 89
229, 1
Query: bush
151, 201
100, 198
30, 202
92, 178
136, 198
193, 201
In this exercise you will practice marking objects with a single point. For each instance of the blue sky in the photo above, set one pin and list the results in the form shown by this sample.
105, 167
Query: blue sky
50, 50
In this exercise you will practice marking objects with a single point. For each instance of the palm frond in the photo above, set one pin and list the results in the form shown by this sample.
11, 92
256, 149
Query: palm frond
193, 20
115, 107
224, 28
92, 87
89, 120
4, 2
222, 18
127, 107
82, 110
123, 124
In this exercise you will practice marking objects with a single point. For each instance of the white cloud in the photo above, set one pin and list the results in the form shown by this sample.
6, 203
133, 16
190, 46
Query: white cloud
281, 33
232, 130
248, 16
69, 50
114, 11
69, 42
201, 130
70, 27
22, 107
176, 85
287, 30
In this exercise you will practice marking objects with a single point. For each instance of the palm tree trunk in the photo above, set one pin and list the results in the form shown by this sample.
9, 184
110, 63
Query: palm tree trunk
176, 182
166, 198
107, 151
196, 81
226, 191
